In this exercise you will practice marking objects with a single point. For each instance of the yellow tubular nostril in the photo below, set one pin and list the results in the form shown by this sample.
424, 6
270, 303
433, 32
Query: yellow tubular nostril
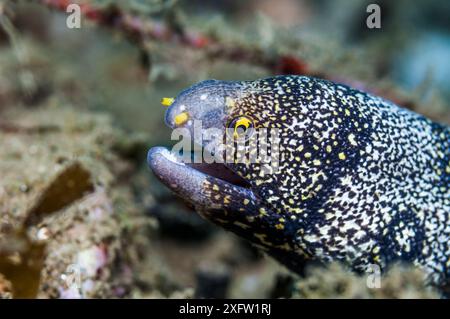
167, 101
181, 118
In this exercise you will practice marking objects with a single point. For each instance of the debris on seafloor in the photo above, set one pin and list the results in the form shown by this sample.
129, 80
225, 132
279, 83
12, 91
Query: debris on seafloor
21, 261
334, 281
68, 229
71, 184
212, 281
5, 288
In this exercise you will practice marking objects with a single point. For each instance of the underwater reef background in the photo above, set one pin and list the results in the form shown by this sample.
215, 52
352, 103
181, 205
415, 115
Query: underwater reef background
81, 216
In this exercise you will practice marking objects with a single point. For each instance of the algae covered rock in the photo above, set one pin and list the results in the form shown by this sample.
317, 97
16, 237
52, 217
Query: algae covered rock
62, 215
334, 281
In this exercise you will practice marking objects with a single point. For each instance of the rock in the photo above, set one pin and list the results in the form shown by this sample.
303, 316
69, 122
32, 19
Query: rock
212, 281
334, 281
67, 227
5, 288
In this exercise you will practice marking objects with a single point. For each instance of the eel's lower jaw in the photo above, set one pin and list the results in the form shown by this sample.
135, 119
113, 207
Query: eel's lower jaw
188, 180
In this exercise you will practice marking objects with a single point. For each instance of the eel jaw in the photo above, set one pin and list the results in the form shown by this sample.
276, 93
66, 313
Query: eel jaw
200, 184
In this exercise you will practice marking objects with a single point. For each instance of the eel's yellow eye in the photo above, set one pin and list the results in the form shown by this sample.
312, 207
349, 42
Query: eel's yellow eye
241, 126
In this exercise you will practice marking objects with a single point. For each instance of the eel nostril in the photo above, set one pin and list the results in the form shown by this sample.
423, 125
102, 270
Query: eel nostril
167, 101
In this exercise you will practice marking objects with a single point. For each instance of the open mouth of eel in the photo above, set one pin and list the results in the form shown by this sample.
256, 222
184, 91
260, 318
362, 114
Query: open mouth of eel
201, 184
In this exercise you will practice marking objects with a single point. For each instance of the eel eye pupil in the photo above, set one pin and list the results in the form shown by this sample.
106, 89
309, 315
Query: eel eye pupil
241, 126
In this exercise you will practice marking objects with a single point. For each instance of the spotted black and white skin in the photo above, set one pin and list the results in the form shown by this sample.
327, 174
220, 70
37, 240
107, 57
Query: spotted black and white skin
360, 180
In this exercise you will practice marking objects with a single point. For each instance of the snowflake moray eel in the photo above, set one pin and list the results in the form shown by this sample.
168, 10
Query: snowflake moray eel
360, 180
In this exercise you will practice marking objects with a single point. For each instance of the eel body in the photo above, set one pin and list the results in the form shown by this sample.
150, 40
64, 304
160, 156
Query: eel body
357, 178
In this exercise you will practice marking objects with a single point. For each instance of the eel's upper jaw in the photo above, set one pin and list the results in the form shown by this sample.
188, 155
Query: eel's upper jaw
188, 180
